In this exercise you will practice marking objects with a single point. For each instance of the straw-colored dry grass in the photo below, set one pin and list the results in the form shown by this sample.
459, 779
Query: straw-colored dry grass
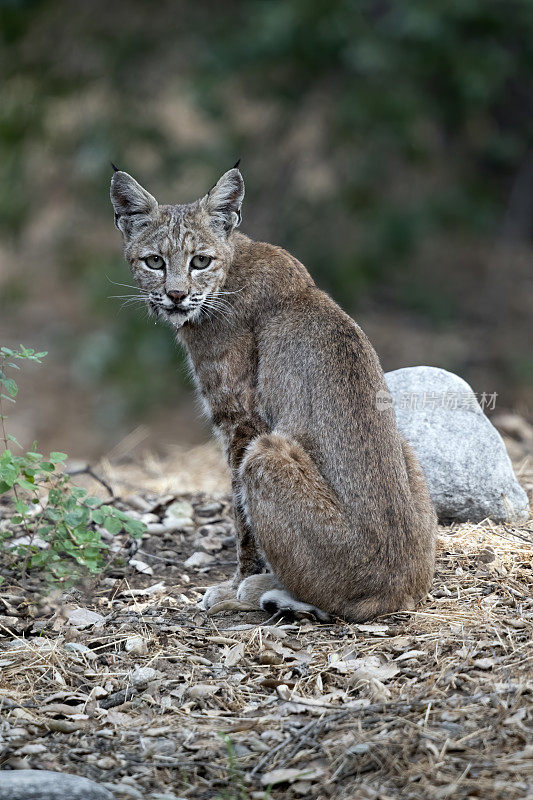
434, 703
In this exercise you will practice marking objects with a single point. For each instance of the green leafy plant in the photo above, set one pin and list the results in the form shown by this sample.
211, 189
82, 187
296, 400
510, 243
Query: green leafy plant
60, 522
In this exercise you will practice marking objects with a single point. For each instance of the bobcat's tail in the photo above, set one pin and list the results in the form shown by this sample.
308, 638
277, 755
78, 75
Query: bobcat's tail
280, 600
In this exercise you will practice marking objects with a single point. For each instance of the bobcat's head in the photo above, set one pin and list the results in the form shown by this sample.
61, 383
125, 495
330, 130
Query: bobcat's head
179, 255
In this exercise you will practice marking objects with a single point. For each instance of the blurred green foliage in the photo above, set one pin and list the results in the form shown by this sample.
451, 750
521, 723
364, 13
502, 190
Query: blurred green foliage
367, 129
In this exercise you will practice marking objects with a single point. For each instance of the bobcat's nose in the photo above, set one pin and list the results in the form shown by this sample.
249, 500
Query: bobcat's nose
176, 296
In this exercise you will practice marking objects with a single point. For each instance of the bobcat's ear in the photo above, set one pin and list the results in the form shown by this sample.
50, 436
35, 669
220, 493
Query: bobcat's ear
223, 202
134, 206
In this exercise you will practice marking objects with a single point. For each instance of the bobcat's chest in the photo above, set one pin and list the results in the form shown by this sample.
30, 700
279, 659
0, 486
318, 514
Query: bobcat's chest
226, 382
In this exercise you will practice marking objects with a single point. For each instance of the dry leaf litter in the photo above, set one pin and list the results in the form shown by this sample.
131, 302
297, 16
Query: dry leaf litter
125, 681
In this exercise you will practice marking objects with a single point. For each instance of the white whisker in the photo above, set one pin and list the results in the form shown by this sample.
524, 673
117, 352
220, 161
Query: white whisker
221, 291
122, 296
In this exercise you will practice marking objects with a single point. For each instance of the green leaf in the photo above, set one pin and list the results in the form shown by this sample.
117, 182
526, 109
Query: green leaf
113, 525
55, 496
16, 520
135, 528
25, 484
21, 507
98, 516
91, 502
78, 492
12, 439
5, 397
79, 516
10, 386
9, 471
58, 457
46, 466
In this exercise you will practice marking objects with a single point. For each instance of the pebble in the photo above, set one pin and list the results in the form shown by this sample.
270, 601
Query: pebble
142, 675
84, 618
172, 555
149, 518
141, 566
156, 527
181, 508
77, 647
136, 645
211, 543
198, 560
31, 749
173, 524
106, 762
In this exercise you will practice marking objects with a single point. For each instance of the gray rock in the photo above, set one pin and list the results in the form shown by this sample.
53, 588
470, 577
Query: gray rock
141, 675
469, 473
37, 784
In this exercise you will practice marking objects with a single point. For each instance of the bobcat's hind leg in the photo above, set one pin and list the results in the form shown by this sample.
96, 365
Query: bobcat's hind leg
266, 592
298, 524
251, 589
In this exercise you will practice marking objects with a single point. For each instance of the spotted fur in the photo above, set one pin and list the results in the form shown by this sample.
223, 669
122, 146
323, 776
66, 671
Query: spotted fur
328, 496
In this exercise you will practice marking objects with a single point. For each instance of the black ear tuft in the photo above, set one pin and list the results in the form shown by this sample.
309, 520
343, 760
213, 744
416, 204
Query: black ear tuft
115, 169
237, 164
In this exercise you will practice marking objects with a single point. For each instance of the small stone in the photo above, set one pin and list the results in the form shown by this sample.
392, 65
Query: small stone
142, 675
209, 509
40, 784
141, 566
97, 692
149, 518
136, 645
198, 560
484, 663
77, 647
212, 530
31, 750
34, 541
181, 508
174, 524
106, 762
170, 555
211, 543
85, 618
154, 528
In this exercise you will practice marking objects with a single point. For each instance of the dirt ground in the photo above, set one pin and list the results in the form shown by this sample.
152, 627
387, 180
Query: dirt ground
126, 681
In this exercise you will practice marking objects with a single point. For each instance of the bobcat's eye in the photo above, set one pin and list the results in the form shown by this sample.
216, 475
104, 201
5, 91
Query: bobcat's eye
200, 262
154, 262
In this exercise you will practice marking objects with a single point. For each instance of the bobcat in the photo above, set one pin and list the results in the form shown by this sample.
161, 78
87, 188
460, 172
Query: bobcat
328, 496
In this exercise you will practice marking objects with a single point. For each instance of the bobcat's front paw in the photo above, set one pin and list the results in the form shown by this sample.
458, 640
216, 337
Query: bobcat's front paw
217, 594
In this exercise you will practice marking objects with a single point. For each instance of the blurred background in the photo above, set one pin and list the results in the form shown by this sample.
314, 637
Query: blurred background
388, 144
